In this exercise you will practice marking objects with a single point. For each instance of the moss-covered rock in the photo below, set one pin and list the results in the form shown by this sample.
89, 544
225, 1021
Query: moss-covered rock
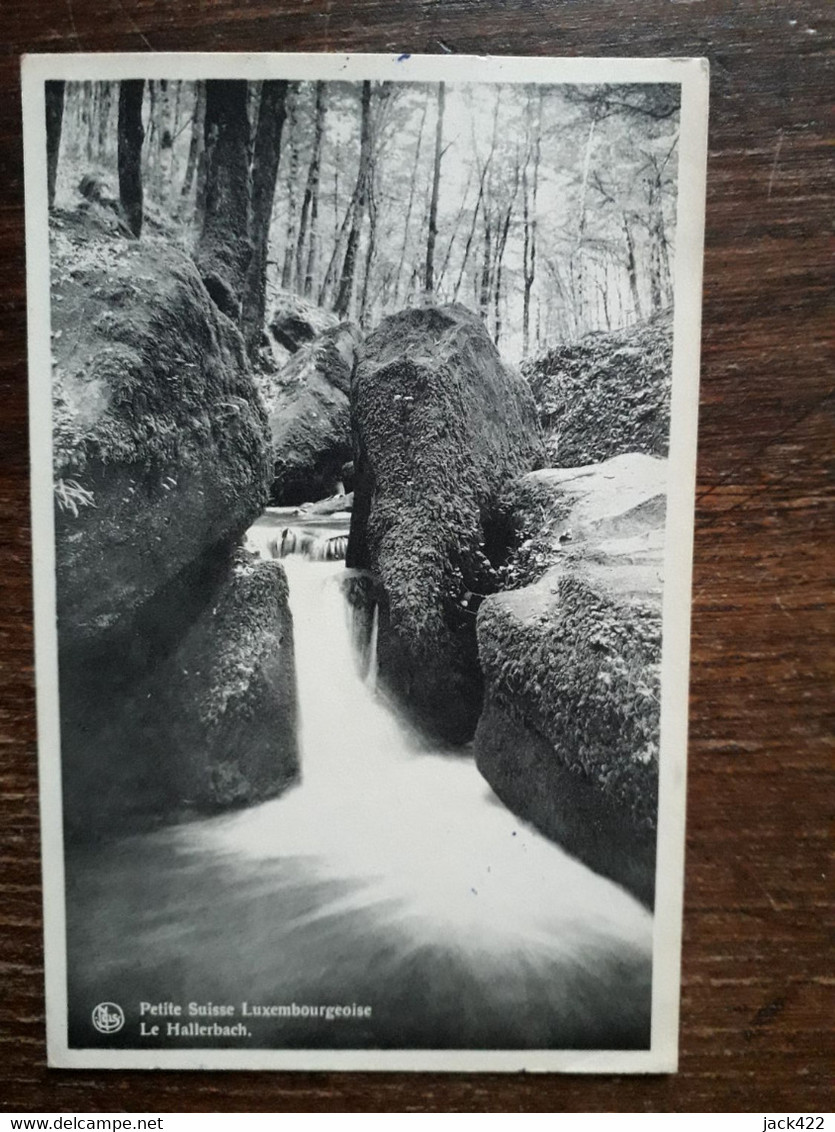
310, 417
160, 440
294, 322
209, 724
606, 395
177, 683
441, 427
571, 659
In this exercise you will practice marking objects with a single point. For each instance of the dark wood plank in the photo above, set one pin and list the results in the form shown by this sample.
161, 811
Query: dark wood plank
756, 1031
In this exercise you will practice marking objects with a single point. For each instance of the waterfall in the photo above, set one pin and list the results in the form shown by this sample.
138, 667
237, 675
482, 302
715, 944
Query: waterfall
359, 753
371, 678
321, 547
389, 875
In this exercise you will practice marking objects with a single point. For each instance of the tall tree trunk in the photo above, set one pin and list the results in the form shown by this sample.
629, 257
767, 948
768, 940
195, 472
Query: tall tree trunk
459, 216
429, 274
313, 243
485, 169
410, 204
89, 111
196, 141
346, 280
164, 141
529, 249
266, 155
54, 120
654, 252
602, 288
310, 202
408, 219
660, 237
501, 244
200, 191
176, 130
486, 260
223, 249
369, 255
470, 235
149, 153
338, 241
527, 281
292, 199
631, 269
104, 121
130, 137
576, 263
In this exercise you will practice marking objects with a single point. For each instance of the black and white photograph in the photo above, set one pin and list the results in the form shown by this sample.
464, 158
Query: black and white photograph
363, 396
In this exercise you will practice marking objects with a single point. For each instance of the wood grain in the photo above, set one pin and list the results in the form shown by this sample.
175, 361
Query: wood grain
756, 1023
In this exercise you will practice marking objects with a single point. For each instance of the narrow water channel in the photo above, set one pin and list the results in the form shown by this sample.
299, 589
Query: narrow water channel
390, 877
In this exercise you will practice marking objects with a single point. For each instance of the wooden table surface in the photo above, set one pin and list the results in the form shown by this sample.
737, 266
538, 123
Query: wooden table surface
756, 1029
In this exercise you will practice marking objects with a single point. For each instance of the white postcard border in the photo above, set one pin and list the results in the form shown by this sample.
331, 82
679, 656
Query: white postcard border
692, 74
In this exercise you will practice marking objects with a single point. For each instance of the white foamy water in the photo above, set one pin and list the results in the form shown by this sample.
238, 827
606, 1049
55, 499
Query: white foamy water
390, 871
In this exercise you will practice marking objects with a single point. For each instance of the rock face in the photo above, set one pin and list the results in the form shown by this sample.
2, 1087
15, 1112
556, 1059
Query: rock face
294, 321
441, 428
209, 725
155, 414
310, 418
161, 463
606, 395
569, 734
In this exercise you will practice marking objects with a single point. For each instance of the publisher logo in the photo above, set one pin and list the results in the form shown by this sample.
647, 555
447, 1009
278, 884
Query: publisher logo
108, 1018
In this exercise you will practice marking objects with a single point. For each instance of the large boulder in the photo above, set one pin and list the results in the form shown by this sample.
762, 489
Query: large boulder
161, 449
310, 417
294, 322
606, 395
175, 655
208, 725
441, 427
570, 730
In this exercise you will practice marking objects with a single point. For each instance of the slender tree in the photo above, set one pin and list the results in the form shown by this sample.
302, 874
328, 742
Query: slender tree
459, 216
89, 113
149, 150
223, 248
340, 232
292, 197
501, 244
370, 251
486, 264
310, 202
530, 189
429, 274
576, 260
130, 137
195, 146
266, 155
357, 207
655, 282
485, 170
631, 268
104, 103
54, 120
411, 200
164, 141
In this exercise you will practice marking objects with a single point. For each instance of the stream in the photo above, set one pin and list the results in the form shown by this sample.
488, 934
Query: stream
390, 878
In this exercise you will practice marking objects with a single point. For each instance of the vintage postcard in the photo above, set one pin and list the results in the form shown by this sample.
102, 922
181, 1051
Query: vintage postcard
363, 417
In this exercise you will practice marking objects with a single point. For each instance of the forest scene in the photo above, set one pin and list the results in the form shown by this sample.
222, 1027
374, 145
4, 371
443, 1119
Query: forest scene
361, 410
548, 210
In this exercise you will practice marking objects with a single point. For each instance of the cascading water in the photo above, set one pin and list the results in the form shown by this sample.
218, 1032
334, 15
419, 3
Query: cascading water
389, 876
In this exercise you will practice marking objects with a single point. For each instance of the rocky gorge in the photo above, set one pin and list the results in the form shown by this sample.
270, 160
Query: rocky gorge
176, 646
517, 603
